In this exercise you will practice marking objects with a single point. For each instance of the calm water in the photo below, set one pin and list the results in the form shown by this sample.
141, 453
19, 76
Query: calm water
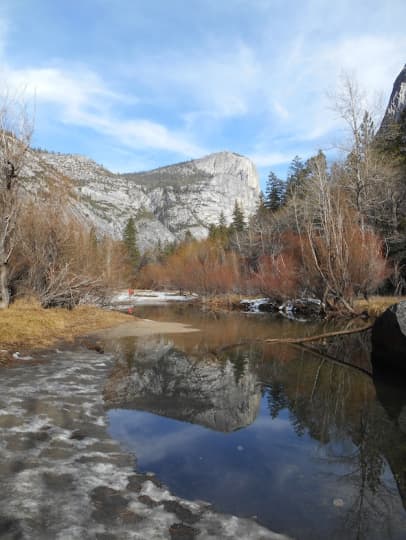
307, 446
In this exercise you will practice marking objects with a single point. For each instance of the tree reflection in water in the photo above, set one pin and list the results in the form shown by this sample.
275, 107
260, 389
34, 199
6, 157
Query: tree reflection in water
335, 404
355, 424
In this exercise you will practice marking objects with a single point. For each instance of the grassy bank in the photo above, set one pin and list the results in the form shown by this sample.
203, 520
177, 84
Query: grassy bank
376, 305
222, 302
25, 324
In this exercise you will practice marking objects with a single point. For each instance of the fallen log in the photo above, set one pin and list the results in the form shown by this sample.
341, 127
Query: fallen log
318, 337
299, 341
332, 359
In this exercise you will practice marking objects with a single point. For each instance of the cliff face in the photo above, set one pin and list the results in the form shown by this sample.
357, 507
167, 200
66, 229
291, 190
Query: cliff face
397, 101
166, 202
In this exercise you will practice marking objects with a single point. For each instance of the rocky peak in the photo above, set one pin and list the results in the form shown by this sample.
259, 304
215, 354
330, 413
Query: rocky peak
397, 101
165, 202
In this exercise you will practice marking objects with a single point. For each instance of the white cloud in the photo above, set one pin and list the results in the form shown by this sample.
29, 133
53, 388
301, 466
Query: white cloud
271, 159
258, 87
84, 99
72, 90
139, 134
281, 110
218, 80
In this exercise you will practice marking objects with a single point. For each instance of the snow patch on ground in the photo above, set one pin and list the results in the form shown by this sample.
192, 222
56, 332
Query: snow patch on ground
63, 477
146, 297
254, 306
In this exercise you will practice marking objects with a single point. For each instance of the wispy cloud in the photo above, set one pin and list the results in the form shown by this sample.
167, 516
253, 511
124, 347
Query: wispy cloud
139, 134
182, 80
271, 159
84, 99
218, 80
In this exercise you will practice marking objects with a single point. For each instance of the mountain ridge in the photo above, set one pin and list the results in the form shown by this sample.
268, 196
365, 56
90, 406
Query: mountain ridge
165, 202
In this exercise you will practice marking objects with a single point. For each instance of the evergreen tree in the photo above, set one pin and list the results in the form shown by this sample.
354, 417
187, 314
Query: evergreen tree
297, 174
391, 141
238, 222
274, 192
93, 238
219, 233
317, 162
130, 242
261, 211
188, 237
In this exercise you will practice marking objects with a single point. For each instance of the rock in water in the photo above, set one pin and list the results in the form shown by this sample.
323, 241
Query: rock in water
389, 340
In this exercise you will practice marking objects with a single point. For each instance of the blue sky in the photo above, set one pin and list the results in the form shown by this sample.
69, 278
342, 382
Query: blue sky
136, 84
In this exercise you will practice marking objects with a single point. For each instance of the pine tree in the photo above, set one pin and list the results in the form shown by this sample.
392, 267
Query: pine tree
274, 192
297, 174
261, 211
188, 237
219, 233
238, 222
317, 162
130, 242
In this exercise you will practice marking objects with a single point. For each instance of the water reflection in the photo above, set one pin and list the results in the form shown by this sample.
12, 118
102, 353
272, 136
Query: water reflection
310, 447
222, 395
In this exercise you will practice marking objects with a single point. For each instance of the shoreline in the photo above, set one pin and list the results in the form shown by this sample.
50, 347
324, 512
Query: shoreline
142, 328
26, 326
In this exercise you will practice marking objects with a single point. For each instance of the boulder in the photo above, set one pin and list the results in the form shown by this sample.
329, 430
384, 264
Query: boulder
259, 305
309, 308
389, 340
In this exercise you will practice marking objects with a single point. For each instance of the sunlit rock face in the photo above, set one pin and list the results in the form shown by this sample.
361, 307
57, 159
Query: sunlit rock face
166, 202
397, 101
200, 390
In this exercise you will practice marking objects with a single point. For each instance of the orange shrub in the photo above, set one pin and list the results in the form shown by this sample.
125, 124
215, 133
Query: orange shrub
277, 276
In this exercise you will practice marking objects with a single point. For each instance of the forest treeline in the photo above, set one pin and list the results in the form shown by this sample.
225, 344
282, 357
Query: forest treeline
46, 249
330, 230
334, 231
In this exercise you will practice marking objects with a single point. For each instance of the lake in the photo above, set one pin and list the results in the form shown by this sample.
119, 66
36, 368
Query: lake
168, 437
278, 433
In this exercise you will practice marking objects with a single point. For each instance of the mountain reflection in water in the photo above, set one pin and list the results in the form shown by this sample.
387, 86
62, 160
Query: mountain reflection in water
310, 447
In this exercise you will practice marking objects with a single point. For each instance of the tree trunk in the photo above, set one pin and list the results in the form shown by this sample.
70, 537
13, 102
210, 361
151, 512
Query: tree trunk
4, 292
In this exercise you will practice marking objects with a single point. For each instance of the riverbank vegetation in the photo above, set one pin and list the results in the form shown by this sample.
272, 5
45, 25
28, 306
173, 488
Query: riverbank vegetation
333, 230
46, 249
28, 325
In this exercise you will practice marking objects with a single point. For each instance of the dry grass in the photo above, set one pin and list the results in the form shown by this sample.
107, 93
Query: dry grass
376, 305
27, 325
223, 301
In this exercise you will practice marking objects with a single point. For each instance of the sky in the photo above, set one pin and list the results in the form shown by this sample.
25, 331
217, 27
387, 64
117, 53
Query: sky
138, 84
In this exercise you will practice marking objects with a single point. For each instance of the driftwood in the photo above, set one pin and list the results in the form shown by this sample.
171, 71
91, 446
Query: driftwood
318, 337
332, 359
298, 342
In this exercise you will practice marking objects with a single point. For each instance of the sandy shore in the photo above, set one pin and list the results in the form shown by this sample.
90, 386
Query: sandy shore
144, 327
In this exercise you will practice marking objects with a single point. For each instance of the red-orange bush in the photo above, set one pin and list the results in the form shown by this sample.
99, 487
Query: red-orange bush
277, 277
203, 267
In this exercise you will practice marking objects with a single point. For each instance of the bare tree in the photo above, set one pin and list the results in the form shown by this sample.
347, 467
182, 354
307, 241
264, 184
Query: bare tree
368, 174
342, 257
15, 135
